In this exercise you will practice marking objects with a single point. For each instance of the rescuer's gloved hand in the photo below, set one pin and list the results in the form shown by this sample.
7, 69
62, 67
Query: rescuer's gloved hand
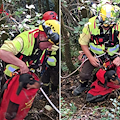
112, 76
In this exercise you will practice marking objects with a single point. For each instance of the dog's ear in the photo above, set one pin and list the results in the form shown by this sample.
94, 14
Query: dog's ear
116, 81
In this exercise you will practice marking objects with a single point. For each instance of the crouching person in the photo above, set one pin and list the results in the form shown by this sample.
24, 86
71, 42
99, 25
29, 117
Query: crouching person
25, 54
50, 78
106, 82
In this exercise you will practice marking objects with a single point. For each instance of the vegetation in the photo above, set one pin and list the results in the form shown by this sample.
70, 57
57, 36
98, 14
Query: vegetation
75, 14
70, 112
20, 15
67, 111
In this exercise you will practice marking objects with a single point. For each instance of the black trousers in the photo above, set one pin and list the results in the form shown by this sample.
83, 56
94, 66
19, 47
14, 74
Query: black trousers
50, 77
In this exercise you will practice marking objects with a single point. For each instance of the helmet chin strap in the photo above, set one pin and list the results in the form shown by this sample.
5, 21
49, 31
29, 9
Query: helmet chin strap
38, 40
43, 41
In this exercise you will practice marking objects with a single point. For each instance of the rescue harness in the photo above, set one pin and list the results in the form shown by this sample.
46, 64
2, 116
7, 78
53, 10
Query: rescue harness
109, 39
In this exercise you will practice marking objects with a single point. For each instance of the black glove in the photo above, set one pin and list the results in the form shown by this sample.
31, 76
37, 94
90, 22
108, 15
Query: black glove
112, 76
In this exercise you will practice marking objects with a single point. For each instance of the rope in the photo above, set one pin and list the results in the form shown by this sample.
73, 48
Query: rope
75, 70
81, 66
49, 100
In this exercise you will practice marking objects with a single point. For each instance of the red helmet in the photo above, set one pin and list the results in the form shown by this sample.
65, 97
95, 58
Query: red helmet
50, 15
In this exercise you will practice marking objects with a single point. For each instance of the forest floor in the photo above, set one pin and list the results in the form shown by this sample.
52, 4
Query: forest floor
38, 110
82, 110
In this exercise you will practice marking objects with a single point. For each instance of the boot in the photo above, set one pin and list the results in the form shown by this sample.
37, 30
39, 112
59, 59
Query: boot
46, 89
77, 91
53, 88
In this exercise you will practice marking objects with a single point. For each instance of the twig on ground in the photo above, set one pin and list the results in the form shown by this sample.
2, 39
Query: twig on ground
48, 116
102, 103
84, 106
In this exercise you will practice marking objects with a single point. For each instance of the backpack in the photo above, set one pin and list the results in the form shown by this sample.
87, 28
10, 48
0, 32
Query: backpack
15, 106
100, 89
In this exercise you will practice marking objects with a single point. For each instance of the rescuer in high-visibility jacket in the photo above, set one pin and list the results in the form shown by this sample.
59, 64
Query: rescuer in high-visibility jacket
50, 77
96, 40
26, 53
29, 49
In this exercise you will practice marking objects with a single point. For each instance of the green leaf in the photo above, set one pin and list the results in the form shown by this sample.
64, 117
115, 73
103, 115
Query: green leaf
78, 8
83, 19
118, 103
110, 115
113, 110
73, 107
86, 19
94, 112
80, 32
96, 107
102, 113
114, 104
115, 101
81, 23
75, 31
117, 118
18, 13
97, 21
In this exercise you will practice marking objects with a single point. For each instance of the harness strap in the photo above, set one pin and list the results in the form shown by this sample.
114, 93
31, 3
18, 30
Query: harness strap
110, 36
100, 39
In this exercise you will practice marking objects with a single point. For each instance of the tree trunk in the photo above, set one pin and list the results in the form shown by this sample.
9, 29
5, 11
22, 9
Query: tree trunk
67, 48
56, 6
0, 17
47, 4
40, 6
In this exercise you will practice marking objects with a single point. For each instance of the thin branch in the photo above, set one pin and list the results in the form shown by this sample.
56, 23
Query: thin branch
71, 1
65, 10
77, 8
6, 16
70, 28
48, 116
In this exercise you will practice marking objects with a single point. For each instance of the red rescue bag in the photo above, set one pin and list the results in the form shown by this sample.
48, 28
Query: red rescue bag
98, 91
15, 106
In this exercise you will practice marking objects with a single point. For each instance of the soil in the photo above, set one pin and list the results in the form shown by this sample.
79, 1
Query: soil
85, 110
38, 111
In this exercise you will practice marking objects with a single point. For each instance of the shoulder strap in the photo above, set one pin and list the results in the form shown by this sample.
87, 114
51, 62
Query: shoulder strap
110, 35
113, 38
